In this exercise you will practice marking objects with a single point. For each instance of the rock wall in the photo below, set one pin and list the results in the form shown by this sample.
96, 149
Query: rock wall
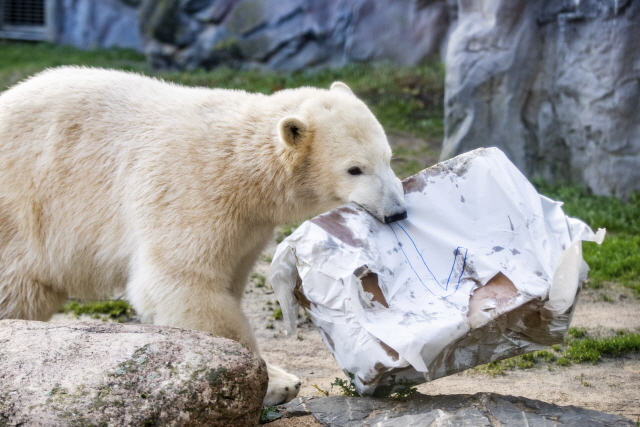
554, 84
90, 24
284, 34
290, 34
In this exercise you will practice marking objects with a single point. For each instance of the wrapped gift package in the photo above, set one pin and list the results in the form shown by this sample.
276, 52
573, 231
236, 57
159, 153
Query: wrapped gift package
483, 268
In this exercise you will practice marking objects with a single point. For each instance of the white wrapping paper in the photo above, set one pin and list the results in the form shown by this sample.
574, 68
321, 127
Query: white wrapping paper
483, 268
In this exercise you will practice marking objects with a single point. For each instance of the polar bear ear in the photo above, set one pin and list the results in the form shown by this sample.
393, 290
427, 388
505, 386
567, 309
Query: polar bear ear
341, 87
293, 131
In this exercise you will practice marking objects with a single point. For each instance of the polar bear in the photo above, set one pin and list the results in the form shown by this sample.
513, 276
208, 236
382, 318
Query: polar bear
112, 180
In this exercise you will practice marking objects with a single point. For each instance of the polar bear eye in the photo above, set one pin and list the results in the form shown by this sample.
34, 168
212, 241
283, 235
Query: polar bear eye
355, 170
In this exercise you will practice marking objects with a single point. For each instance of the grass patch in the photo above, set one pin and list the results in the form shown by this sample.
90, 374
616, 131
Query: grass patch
404, 98
597, 211
258, 280
591, 349
403, 388
286, 231
577, 332
616, 259
23, 59
116, 310
578, 348
346, 387
410, 99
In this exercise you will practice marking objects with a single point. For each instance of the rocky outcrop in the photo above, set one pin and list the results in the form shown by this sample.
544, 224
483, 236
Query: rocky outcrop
90, 24
113, 374
554, 84
480, 410
282, 35
290, 34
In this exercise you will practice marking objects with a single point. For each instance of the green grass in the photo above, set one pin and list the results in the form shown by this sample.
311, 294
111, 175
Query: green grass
591, 349
258, 280
117, 310
578, 348
277, 314
19, 60
285, 231
403, 98
409, 99
597, 211
396, 389
618, 258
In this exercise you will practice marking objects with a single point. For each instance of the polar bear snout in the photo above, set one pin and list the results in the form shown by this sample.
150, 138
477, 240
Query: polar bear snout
395, 217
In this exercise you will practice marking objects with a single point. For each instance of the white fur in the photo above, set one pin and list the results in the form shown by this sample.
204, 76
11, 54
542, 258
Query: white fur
112, 180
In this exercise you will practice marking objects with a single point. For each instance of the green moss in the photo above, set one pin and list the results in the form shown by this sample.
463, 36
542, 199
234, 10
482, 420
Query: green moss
617, 259
118, 310
216, 376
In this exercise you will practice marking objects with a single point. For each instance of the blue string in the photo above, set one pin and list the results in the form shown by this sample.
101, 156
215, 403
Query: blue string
464, 264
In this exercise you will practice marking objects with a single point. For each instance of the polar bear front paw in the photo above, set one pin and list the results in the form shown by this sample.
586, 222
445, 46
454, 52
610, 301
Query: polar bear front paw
282, 386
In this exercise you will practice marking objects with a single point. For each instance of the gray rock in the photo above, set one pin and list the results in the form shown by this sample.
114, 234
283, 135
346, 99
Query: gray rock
282, 35
290, 34
113, 374
554, 84
89, 24
482, 409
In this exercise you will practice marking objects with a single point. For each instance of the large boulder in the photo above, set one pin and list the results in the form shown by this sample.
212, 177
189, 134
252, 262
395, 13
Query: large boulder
554, 84
113, 374
290, 34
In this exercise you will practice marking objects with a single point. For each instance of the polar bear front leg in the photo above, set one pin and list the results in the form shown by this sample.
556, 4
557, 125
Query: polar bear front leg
282, 386
204, 307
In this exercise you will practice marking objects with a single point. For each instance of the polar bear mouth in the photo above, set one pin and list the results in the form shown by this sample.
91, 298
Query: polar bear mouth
395, 217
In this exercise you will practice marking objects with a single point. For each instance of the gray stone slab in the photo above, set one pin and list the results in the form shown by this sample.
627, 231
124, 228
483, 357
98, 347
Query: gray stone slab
479, 410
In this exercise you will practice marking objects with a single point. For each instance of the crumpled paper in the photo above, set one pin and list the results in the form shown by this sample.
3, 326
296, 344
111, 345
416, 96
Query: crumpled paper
484, 268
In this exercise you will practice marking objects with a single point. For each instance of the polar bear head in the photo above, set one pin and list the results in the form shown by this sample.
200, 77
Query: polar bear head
342, 154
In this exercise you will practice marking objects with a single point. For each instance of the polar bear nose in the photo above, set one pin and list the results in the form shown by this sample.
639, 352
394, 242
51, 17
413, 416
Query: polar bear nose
395, 217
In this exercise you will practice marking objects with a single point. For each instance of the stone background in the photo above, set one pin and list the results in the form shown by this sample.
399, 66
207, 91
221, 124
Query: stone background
279, 35
555, 84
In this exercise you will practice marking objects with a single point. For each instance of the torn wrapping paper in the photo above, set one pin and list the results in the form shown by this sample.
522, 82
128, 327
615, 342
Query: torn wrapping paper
484, 268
